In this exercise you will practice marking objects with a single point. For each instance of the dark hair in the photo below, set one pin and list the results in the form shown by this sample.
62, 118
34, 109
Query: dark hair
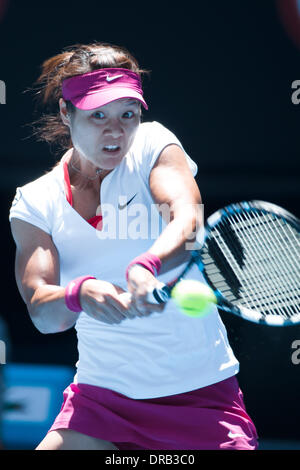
74, 60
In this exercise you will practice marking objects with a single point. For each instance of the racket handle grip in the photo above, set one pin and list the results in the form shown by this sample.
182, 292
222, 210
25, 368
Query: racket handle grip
159, 294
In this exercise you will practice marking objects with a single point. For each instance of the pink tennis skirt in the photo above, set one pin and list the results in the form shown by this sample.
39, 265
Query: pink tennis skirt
210, 418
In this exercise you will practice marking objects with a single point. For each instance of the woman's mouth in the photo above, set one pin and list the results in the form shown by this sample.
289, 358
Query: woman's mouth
111, 148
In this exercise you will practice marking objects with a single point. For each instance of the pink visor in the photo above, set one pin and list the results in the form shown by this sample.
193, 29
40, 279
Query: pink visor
94, 89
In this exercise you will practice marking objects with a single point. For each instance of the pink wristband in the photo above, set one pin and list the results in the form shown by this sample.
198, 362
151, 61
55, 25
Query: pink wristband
72, 293
148, 261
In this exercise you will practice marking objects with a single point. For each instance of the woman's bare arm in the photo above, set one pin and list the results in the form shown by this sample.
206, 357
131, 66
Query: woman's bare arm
172, 184
37, 275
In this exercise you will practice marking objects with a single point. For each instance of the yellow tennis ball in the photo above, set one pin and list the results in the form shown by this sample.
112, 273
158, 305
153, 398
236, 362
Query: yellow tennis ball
193, 297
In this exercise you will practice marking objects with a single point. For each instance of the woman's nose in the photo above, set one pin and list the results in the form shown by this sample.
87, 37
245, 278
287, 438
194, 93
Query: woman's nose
114, 128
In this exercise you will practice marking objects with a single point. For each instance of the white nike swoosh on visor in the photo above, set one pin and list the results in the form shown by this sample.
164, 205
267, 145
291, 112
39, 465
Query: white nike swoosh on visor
109, 79
233, 435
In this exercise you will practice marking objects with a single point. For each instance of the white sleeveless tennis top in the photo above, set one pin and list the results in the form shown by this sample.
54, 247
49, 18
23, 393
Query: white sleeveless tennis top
162, 354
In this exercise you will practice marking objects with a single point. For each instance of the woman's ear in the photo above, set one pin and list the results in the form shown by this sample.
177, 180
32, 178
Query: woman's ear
64, 114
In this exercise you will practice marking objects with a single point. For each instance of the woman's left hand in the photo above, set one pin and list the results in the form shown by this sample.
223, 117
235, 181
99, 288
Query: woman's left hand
140, 282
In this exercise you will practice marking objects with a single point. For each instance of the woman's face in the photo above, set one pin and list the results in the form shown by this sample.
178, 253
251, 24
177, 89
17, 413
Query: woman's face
103, 135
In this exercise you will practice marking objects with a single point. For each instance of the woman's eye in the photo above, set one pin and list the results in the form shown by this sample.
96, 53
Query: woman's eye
128, 114
98, 115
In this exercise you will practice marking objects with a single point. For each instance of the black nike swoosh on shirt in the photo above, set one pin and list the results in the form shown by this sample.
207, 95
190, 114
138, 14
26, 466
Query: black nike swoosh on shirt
122, 206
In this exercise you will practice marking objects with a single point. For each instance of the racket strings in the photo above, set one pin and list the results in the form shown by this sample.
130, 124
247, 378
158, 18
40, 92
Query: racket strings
221, 282
290, 270
289, 248
278, 237
287, 253
246, 298
261, 301
269, 281
273, 272
282, 298
224, 266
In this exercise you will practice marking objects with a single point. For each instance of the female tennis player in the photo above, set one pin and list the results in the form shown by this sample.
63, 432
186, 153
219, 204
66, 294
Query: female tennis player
114, 216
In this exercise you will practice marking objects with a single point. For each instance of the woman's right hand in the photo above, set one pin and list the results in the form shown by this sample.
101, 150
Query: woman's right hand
106, 302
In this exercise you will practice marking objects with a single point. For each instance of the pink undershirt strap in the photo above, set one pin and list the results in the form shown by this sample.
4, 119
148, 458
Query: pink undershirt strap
95, 221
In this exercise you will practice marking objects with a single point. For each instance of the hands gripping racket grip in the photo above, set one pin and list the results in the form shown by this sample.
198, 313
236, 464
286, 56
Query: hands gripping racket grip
159, 294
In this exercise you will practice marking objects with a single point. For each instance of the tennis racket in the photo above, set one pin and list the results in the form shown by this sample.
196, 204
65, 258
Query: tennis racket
249, 255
